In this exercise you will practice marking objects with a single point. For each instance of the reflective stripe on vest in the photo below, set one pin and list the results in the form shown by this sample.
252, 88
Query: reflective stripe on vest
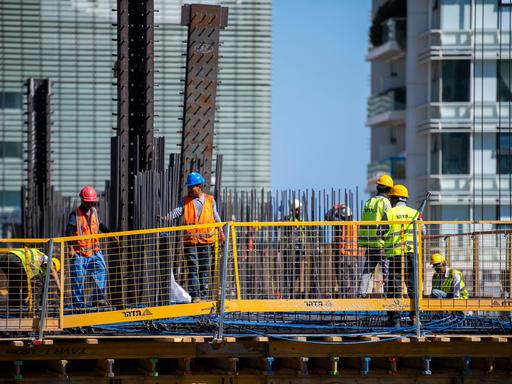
447, 285
87, 246
200, 235
393, 237
31, 260
372, 211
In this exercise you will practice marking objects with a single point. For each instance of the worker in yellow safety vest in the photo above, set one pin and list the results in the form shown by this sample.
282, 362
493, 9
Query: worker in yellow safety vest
197, 208
398, 244
24, 269
368, 239
447, 282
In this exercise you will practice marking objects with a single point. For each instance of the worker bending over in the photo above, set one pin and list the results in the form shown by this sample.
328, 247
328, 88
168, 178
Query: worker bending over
197, 208
25, 269
447, 282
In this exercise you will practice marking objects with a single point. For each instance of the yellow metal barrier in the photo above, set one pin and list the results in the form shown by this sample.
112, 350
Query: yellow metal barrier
271, 267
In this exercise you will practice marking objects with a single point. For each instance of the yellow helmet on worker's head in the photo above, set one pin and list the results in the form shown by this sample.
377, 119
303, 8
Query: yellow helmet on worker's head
385, 181
56, 264
399, 190
437, 258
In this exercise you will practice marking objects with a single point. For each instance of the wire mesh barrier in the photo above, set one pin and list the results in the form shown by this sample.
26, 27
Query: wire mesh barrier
250, 271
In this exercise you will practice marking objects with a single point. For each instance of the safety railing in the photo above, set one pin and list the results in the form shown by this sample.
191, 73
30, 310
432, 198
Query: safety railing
221, 268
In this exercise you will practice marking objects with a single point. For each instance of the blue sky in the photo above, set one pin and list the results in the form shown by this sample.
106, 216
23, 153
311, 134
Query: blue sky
320, 83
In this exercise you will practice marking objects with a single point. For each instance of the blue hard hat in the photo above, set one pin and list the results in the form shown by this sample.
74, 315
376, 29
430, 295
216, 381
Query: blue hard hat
194, 178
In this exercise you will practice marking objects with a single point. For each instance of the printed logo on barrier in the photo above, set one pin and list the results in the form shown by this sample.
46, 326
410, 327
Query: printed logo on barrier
136, 313
317, 304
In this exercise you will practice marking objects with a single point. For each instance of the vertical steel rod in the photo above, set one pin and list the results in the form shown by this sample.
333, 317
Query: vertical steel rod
223, 274
415, 265
46, 287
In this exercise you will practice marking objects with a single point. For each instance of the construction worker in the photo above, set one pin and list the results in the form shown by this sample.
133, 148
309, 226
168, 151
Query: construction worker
87, 257
398, 242
294, 261
25, 269
197, 207
373, 210
348, 260
447, 282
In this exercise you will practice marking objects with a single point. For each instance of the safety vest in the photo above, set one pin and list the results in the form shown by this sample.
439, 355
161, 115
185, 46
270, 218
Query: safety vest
447, 285
393, 237
87, 246
346, 240
201, 235
372, 211
32, 260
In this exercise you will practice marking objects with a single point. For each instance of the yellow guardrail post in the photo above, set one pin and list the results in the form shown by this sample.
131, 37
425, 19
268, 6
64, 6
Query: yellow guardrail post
61, 293
402, 262
223, 274
235, 261
416, 265
476, 286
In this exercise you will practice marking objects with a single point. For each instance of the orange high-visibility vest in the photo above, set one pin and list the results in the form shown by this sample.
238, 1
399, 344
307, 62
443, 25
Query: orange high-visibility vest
87, 246
346, 240
203, 235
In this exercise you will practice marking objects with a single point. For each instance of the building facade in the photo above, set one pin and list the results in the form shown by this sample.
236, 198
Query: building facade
72, 43
441, 103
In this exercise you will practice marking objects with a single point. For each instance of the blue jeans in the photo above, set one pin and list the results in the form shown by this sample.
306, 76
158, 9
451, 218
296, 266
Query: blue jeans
438, 294
81, 267
199, 259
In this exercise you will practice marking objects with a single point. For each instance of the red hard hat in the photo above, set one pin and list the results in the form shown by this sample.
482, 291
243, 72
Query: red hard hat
88, 194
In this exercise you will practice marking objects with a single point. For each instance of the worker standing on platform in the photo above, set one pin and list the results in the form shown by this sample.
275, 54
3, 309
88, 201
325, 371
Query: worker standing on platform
347, 254
294, 260
398, 244
197, 208
447, 282
25, 269
87, 257
373, 210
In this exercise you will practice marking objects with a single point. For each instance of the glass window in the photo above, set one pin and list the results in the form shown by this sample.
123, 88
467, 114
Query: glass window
455, 79
434, 154
455, 153
11, 100
504, 153
11, 149
504, 75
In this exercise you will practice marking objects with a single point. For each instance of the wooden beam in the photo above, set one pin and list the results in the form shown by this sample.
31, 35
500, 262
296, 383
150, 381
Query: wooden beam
91, 341
499, 339
473, 339
333, 339
260, 339
17, 343
442, 339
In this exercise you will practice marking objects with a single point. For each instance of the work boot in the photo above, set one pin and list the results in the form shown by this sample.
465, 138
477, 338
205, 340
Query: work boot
394, 322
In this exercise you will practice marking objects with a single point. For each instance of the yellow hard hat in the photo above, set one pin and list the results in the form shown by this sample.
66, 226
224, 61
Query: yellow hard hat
437, 258
56, 264
399, 190
385, 180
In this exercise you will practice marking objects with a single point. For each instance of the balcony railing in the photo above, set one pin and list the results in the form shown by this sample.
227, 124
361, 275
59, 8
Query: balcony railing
393, 166
388, 41
465, 113
438, 42
393, 100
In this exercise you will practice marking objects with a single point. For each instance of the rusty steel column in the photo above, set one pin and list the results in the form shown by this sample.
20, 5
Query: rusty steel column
204, 23
37, 197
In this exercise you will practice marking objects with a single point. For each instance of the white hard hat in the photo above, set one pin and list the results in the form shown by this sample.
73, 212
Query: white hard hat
346, 211
296, 204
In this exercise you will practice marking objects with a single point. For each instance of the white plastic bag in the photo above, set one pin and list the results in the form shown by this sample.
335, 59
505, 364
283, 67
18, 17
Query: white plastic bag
178, 295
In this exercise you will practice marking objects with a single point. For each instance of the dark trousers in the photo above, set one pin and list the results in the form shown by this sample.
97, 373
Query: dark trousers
395, 279
292, 273
199, 262
17, 284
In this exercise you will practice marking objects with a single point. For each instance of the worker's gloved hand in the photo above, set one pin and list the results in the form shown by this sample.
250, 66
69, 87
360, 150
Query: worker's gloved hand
162, 218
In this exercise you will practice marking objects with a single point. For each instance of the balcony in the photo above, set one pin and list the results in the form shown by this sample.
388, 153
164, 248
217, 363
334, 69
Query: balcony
393, 166
458, 189
387, 109
387, 42
436, 44
431, 116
